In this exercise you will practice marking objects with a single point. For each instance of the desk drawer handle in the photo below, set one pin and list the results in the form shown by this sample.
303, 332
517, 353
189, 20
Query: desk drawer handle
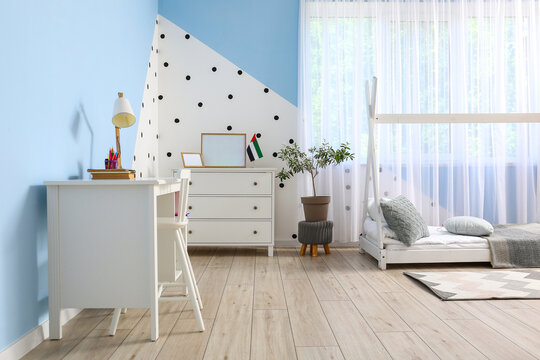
255, 183
190, 232
255, 232
255, 207
190, 207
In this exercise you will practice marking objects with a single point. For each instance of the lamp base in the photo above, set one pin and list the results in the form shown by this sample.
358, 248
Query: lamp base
103, 174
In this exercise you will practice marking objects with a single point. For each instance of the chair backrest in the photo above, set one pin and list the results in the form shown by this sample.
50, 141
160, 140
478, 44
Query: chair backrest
185, 176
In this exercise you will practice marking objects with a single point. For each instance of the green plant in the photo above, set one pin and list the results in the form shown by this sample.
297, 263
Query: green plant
317, 157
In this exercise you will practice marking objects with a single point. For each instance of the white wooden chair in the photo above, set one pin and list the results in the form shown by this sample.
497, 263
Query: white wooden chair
179, 226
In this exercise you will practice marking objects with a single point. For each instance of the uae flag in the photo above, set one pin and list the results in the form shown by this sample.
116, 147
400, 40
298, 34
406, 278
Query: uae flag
253, 149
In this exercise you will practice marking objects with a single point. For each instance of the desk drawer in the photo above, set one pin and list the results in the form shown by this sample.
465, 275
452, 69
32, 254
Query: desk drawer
255, 183
228, 207
229, 232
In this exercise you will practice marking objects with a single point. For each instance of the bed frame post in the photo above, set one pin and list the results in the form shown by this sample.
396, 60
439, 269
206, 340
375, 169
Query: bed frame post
372, 170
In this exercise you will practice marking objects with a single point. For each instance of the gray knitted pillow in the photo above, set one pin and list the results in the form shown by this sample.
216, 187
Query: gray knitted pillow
404, 219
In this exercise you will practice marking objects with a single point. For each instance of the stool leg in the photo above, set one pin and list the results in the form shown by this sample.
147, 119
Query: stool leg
315, 250
303, 250
326, 249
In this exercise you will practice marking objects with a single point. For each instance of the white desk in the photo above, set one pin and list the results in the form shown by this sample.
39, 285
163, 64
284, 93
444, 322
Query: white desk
103, 246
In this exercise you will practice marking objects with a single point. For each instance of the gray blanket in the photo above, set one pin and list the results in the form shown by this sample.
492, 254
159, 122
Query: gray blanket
515, 246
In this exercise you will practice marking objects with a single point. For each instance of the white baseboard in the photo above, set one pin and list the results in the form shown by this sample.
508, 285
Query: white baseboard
295, 243
34, 337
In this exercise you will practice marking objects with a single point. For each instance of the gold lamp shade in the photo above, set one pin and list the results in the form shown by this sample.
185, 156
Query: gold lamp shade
123, 117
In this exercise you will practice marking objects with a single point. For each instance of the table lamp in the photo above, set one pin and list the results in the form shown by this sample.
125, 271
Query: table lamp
123, 117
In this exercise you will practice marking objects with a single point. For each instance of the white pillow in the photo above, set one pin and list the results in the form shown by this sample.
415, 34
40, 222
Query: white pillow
372, 209
468, 225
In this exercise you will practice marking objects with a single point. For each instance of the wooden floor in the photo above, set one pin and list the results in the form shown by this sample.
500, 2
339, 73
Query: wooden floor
337, 306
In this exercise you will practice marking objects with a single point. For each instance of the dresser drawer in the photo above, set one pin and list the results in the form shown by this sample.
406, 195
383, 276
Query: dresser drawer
229, 232
248, 183
229, 207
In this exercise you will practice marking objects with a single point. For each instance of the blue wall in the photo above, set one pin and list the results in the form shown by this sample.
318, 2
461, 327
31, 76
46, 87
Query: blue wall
259, 36
62, 63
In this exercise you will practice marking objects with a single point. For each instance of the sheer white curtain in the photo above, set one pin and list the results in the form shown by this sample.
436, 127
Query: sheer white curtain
472, 56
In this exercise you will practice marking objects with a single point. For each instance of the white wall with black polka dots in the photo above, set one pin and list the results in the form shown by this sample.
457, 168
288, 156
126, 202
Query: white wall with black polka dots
198, 90
146, 154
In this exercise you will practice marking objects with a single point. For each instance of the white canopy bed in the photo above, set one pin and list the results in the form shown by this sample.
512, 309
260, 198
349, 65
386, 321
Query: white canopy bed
441, 246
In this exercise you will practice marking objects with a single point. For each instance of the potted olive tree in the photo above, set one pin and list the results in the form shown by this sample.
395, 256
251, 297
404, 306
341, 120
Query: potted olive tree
317, 157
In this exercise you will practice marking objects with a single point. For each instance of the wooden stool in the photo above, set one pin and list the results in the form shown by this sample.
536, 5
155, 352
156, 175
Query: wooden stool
314, 234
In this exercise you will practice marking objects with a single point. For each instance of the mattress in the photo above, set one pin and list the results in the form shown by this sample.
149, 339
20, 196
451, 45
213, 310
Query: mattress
439, 238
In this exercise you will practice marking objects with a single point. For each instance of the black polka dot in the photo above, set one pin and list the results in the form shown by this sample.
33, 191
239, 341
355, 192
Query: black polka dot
348, 187
141, 134
266, 90
229, 127
214, 69
142, 104
177, 120
153, 158
157, 51
230, 96
347, 208
259, 135
165, 64
291, 141
147, 86
187, 36
152, 47
169, 154
149, 65
155, 74
160, 97
157, 22
294, 236
281, 185
276, 117
149, 122
188, 77
347, 171
153, 100
240, 72
200, 104
157, 136
274, 154
162, 36
134, 157
149, 155
140, 174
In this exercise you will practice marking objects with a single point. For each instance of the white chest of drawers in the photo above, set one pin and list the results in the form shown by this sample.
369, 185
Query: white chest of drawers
232, 207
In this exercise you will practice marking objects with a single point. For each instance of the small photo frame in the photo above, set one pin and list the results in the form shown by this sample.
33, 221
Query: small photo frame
192, 160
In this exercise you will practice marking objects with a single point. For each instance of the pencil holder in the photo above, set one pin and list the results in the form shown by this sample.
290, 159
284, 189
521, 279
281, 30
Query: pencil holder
111, 164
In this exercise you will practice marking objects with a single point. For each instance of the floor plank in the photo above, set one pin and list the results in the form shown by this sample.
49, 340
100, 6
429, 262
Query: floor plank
319, 353
231, 334
137, 344
242, 268
268, 287
406, 346
529, 317
186, 339
290, 266
272, 335
445, 342
74, 331
98, 345
322, 280
356, 340
309, 325
492, 344
127, 321
505, 324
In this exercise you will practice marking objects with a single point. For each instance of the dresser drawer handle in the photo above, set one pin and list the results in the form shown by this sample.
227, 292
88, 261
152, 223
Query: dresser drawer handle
190, 207
190, 183
255, 183
255, 232
255, 207
190, 232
